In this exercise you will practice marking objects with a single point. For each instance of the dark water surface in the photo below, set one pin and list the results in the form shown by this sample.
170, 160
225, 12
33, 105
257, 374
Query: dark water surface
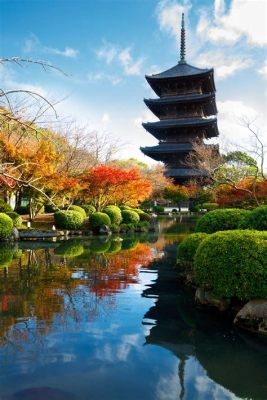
108, 319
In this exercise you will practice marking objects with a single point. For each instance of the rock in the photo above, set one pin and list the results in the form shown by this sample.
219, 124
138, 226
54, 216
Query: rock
103, 230
14, 234
253, 316
39, 234
206, 298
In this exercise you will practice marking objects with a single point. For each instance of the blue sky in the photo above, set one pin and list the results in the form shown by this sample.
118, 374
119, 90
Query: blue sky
107, 46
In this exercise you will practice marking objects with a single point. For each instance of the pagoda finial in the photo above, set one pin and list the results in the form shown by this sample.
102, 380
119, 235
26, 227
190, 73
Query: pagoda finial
182, 48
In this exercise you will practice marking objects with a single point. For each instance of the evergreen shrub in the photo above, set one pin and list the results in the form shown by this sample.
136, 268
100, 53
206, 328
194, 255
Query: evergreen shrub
16, 218
256, 219
233, 264
221, 220
142, 214
158, 209
130, 217
6, 226
68, 219
188, 247
99, 218
114, 214
89, 209
78, 209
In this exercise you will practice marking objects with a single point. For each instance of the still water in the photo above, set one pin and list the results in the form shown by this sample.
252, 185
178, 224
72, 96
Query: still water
107, 319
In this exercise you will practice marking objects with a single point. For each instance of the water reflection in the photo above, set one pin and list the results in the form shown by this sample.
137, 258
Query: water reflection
107, 319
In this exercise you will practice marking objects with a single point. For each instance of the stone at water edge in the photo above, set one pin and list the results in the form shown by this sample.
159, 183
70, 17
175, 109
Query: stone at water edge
14, 234
253, 316
206, 298
103, 230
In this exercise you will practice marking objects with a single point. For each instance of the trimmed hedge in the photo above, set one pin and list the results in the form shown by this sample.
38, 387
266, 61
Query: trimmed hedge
97, 219
70, 248
130, 217
114, 214
6, 226
89, 209
233, 264
256, 219
188, 247
78, 209
16, 218
221, 220
68, 219
158, 209
142, 214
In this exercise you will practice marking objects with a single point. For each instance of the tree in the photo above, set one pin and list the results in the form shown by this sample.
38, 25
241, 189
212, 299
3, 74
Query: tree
110, 185
230, 169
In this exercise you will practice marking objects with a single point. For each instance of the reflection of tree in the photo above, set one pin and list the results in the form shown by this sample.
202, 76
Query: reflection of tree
77, 281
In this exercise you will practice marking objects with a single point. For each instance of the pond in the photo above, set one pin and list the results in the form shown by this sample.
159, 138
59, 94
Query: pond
98, 319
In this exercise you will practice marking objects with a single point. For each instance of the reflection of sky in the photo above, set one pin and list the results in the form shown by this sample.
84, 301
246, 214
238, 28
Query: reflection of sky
102, 356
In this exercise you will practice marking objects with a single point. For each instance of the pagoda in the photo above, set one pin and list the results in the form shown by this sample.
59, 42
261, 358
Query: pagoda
186, 109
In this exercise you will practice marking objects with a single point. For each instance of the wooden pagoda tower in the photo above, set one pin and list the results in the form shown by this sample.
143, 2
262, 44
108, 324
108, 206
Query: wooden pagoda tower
186, 109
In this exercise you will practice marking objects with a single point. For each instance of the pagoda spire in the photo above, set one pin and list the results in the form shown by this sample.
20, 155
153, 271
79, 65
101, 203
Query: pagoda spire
182, 46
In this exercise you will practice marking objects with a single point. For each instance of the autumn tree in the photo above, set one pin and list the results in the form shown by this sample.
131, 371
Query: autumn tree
106, 184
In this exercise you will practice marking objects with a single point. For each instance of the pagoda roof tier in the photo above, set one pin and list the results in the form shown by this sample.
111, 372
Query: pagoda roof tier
184, 75
165, 127
184, 173
207, 100
181, 71
156, 152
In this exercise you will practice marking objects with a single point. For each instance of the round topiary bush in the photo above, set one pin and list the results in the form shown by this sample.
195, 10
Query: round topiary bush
5, 207
68, 220
130, 217
233, 264
210, 206
114, 214
256, 219
70, 248
16, 218
89, 209
97, 219
188, 247
78, 209
221, 220
142, 214
6, 226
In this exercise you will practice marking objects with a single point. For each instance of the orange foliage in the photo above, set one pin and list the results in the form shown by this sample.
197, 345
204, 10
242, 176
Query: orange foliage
111, 185
228, 196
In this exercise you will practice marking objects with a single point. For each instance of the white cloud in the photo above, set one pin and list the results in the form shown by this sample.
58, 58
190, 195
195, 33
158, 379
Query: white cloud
224, 65
263, 70
233, 133
111, 53
101, 76
33, 44
107, 53
169, 15
105, 118
245, 18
